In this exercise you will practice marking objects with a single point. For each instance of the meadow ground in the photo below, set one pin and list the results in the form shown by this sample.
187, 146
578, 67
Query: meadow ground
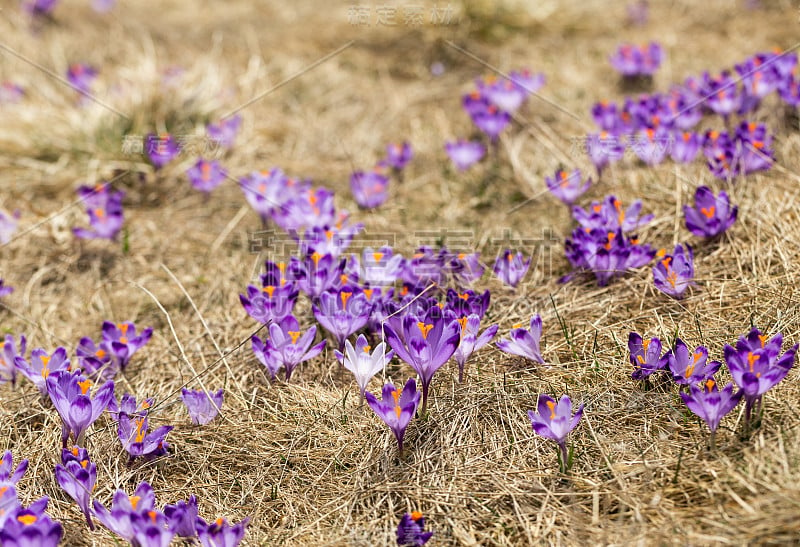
303, 460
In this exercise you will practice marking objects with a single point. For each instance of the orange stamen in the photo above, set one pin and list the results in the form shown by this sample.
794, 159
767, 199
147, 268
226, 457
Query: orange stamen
85, 385
295, 334
269, 289
552, 406
345, 296
424, 329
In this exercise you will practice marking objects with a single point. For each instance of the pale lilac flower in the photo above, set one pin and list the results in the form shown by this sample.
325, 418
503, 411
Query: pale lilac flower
203, 407
363, 363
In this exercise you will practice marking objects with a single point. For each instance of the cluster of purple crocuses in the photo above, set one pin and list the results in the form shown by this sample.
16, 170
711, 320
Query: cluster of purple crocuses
490, 107
660, 124
755, 364
80, 395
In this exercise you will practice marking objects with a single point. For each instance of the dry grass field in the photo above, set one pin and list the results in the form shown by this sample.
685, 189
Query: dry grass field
321, 97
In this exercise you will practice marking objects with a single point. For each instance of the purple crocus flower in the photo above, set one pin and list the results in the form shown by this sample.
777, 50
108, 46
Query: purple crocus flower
42, 365
722, 95
524, 342
11, 93
753, 148
468, 302
757, 366
133, 434
104, 208
161, 149
554, 421
29, 527
502, 93
122, 517
206, 175
603, 148
511, 267
370, 188
651, 145
124, 340
127, 406
396, 408
224, 132
96, 359
287, 346
363, 364
8, 474
317, 273
379, 268
471, 340
182, 517
690, 368
78, 408
80, 76
8, 357
77, 476
103, 6
342, 312
711, 404
268, 192
219, 533
38, 8
684, 146
5, 290
491, 121
711, 215
425, 343
673, 274
398, 155
632, 61
274, 300
567, 186
464, 153
313, 207
332, 240
203, 407
8, 225
645, 356
411, 530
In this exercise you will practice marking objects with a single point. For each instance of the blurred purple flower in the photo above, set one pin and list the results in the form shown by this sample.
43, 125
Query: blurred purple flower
369, 189
8, 357
8, 225
202, 407
105, 212
276, 297
464, 153
632, 61
206, 175
5, 290
11, 93
567, 186
224, 132
103, 6
398, 155
711, 215
684, 146
161, 149
511, 267
673, 274
80, 76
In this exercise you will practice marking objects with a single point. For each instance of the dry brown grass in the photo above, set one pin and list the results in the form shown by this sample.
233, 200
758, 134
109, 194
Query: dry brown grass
304, 460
